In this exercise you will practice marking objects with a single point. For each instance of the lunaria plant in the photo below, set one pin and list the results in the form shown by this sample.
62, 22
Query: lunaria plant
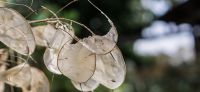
88, 62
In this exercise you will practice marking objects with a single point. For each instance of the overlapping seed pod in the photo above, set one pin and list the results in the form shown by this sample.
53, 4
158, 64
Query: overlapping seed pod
3, 58
61, 36
88, 62
26, 77
15, 32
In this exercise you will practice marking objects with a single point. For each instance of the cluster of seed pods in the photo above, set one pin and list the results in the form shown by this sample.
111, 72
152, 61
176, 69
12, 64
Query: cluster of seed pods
16, 33
87, 63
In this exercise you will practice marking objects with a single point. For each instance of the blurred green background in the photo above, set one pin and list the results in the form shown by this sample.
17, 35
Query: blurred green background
159, 40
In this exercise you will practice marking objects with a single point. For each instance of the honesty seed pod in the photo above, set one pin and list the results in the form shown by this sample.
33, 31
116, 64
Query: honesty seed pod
26, 77
62, 35
110, 69
44, 34
15, 32
3, 58
19, 76
76, 62
102, 44
90, 85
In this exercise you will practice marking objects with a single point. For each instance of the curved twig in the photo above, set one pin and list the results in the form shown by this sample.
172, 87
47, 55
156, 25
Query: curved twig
69, 20
66, 6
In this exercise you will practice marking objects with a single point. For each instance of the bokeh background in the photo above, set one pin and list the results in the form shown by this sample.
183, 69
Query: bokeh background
159, 39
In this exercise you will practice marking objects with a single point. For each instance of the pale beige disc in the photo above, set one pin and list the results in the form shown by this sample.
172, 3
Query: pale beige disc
59, 39
76, 62
110, 69
90, 85
98, 44
19, 76
15, 32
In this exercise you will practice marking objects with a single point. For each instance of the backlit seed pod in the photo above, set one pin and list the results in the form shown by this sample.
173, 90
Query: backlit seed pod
90, 85
39, 82
98, 44
19, 76
15, 32
3, 58
76, 62
110, 69
60, 37
44, 34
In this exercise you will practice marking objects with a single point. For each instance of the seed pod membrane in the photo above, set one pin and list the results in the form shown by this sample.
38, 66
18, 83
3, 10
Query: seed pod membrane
60, 37
39, 82
110, 69
76, 62
90, 85
3, 58
50, 60
19, 76
28, 78
44, 34
98, 44
15, 32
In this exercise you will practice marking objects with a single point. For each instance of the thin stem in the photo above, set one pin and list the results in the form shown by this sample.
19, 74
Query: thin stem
51, 19
76, 38
66, 6
68, 20
20, 69
113, 28
50, 11
29, 14
33, 60
101, 12
26, 62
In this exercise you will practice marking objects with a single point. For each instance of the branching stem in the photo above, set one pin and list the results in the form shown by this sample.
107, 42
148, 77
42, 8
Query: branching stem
69, 20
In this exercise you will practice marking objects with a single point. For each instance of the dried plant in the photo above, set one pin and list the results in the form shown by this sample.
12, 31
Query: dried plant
88, 62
